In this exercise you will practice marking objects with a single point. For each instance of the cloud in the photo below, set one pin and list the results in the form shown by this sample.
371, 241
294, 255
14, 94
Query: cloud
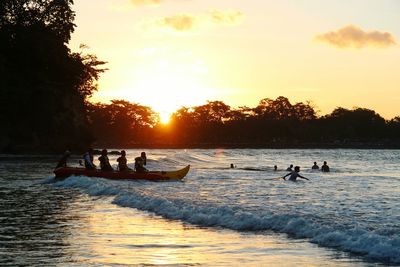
229, 17
354, 37
189, 22
146, 2
181, 22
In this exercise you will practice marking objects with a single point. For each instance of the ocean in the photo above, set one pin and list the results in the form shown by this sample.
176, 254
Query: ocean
215, 216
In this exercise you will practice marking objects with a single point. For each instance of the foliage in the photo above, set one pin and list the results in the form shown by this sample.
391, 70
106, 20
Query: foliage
272, 123
43, 86
55, 16
121, 123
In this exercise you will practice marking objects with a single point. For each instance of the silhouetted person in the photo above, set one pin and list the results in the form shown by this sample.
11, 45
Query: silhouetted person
104, 161
232, 166
88, 160
140, 162
122, 162
325, 167
294, 174
290, 168
315, 166
275, 168
63, 161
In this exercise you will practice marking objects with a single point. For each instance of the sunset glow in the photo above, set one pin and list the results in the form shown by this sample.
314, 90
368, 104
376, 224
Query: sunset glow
166, 86
169, 54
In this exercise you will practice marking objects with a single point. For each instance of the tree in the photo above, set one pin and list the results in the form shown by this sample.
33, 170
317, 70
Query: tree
356, 124
121, 123
44, 86
212, 112
56, 16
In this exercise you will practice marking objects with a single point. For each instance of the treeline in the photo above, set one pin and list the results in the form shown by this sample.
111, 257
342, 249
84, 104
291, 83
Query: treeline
43, 85
273, 123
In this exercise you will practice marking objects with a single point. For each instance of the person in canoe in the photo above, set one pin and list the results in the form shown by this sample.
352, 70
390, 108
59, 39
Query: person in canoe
294, 174
88, 160
104, 161
315, 166
122, 162
325, 167
63, 160
140, 162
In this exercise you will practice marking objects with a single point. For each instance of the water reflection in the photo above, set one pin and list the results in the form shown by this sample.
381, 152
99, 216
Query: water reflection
35, 219
126, 236
45, 225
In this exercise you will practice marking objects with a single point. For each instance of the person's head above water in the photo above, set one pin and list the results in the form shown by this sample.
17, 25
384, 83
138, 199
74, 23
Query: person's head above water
291, 165
297, 169
104, 152
123, 153
325, 163
315, 163
143, 154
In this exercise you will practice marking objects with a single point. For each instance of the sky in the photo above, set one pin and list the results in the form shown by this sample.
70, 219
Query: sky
172, 53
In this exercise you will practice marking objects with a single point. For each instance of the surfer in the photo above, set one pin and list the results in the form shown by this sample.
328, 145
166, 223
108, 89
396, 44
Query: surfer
294, 174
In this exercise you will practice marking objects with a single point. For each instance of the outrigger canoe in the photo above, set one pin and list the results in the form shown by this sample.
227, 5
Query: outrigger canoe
64, 172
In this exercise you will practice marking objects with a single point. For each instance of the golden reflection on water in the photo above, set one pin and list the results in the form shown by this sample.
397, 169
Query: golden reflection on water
110, 235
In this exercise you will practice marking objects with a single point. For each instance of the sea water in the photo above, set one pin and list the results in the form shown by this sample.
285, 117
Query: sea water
216, 216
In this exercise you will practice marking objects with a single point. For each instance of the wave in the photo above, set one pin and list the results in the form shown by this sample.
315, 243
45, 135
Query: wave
376, 245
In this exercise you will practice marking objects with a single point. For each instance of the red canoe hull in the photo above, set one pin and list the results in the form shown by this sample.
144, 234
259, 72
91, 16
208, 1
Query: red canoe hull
123, 175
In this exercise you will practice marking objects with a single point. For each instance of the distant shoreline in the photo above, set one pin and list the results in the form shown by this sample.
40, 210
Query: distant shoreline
276, 145
252, 146
349, 145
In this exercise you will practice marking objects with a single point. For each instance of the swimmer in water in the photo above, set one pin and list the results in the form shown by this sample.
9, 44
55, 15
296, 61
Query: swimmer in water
294, 174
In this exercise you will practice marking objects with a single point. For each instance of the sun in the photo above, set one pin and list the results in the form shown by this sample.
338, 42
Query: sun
166, 87
164, 81
165, 117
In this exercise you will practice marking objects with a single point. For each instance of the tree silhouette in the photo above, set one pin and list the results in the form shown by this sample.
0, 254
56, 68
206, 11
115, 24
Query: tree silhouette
43, 85
122, 123
273, 123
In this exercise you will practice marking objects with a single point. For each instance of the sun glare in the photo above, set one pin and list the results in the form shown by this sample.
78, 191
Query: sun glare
165, 117
166, 87
163, 80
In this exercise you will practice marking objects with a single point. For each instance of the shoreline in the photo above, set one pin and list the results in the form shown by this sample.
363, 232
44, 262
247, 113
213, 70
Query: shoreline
113, 147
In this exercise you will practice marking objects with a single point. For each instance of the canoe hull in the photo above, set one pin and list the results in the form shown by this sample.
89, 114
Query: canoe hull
123, 175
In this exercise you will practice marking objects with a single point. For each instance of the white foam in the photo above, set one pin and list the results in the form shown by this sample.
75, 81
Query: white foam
373, 245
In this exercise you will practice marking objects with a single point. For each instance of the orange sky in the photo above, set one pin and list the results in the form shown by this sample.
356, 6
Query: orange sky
172, 53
